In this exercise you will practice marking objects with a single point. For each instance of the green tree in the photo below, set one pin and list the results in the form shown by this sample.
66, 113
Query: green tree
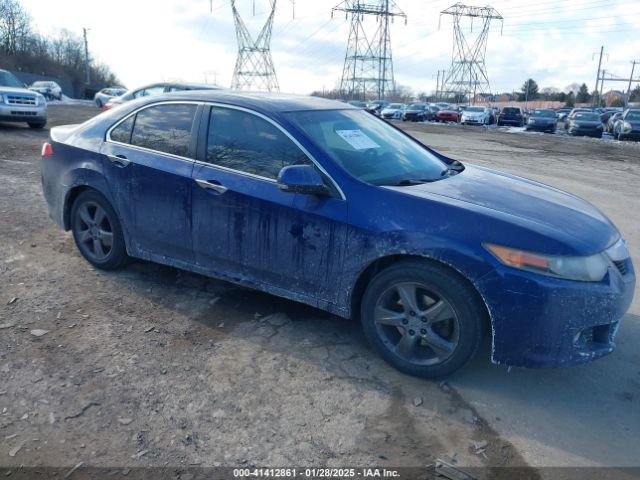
583, 94
570, 100
529, 90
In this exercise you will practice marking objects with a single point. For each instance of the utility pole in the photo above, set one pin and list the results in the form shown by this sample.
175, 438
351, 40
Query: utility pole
86, 57
601, 88
593, 100
633, 67
526, 95
437, 85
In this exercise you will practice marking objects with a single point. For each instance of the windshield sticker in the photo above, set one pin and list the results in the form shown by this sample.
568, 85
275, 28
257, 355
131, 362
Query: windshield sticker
357, 139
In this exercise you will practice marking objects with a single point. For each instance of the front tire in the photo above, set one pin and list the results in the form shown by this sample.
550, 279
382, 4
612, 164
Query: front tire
422, 318
97, 231
37, 124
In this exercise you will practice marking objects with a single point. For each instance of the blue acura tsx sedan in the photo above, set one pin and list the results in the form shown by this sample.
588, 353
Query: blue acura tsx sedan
322, 203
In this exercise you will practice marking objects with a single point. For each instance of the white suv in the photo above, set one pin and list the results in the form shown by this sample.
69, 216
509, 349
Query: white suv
19, 104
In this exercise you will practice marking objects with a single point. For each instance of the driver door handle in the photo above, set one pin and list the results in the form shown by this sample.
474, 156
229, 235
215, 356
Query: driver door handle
207, 185
119, 159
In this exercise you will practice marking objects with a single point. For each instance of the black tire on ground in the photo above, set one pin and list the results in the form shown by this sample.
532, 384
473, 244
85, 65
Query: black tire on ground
422, 318
37, 124
97, 231
99, 103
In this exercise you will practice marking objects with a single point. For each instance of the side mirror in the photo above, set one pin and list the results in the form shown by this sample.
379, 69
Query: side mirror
302, 179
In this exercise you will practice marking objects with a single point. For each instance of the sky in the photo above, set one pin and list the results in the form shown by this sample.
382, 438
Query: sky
555, 42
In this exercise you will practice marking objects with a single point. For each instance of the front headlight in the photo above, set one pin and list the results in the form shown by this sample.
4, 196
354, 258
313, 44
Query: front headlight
584, 269
1, 98
626, 126
40, 100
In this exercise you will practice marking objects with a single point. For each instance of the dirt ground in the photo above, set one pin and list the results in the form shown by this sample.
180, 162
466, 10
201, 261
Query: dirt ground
152, 366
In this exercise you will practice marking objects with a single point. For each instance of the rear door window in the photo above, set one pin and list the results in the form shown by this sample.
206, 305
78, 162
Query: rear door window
165, 128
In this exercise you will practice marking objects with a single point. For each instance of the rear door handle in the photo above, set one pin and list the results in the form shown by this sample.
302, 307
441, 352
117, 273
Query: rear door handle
207, 185
119, 159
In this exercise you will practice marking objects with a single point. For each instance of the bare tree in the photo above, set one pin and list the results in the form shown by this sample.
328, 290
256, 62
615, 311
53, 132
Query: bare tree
15, 27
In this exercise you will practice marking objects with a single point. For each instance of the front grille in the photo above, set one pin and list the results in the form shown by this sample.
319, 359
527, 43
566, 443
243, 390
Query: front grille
621, 265
21, 100
23, 114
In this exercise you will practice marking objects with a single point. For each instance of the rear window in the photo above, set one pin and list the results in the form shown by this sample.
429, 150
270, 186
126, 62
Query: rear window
510, 110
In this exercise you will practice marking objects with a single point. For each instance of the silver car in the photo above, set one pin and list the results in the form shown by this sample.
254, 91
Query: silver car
19, 104
156, 89
106, 94
50, 90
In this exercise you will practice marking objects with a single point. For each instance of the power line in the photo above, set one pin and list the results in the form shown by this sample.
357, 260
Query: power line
368, 63
468, 73
254, 67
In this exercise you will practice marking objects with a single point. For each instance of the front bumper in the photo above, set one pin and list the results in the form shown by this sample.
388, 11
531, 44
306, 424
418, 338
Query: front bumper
587, 132
541, 321
632, 135
542, 127
21, 113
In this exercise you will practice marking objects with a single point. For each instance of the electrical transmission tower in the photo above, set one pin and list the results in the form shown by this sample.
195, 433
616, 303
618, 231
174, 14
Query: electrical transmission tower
254, 67
368, 65
467, 76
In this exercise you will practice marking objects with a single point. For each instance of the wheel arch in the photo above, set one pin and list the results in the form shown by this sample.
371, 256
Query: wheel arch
380, 264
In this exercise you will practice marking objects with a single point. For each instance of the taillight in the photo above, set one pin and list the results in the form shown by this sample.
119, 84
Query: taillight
106, 106
47, 151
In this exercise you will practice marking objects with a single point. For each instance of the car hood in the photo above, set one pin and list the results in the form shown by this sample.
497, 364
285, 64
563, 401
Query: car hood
15, 90
526, 203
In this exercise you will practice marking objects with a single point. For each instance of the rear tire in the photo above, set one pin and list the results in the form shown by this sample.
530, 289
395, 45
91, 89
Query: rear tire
97, 231
422, 318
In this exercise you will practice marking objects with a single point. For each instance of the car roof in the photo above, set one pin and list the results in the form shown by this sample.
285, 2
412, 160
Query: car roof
274, 102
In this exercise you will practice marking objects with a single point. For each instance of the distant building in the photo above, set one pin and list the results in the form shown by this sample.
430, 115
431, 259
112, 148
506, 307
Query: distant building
614, 97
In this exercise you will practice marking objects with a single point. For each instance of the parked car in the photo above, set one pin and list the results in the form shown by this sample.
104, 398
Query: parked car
612, 121
316, 201
103, 96
358, 104
156, 89
586, 124
562, 113
376, 106
511, 116
608, 113
627, 127
476, 116
49, 90
573, 112
19, 104
542, 120
393, 111
417, 112
448, 115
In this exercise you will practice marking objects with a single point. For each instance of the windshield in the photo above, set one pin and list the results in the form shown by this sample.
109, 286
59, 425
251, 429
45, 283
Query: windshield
8, 80
395, 106
367, 148
474, 109
417, 106
544, 113
589, 116
633, 116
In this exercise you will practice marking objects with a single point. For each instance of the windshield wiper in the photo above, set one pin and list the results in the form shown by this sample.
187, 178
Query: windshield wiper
407, 182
